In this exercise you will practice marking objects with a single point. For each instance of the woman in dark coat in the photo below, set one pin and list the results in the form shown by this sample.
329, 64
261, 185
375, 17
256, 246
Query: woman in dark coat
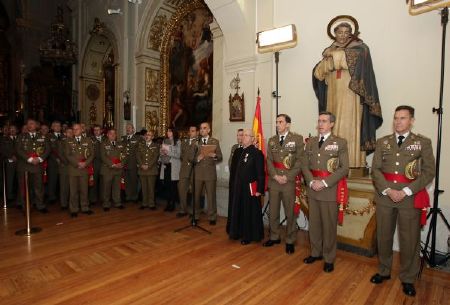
246, 219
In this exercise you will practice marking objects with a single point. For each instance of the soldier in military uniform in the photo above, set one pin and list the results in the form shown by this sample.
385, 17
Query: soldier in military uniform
186, 156
32, 151
324, 167
206, 175
113, 155
147, 154
283, 165
79, 151
63, 169
131, 140
9, 157
403, 165
95, 190
52, 168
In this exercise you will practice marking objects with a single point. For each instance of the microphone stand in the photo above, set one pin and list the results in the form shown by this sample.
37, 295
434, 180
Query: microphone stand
193, 223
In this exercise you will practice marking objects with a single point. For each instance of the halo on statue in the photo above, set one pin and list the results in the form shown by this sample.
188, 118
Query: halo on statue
340, 19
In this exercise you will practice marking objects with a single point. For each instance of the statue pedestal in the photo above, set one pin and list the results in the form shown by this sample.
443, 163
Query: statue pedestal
358, 233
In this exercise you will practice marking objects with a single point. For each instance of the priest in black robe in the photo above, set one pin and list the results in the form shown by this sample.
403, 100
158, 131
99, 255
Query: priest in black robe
235, 154
246, 221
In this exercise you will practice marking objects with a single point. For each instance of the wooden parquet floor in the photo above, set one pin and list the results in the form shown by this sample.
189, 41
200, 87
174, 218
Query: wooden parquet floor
134, 257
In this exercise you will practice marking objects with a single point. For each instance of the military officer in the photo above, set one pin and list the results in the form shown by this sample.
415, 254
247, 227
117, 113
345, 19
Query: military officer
79, 151
131, 140
32, 150
95, 189
403, 165
113, 155
188, 147
147, 154
324, 167
63, 169
53, 160
9, 155
283, 165
206, 175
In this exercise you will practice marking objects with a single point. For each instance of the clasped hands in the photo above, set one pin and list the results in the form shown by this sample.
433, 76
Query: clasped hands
395, 195
317, 185
81, 164
280, 179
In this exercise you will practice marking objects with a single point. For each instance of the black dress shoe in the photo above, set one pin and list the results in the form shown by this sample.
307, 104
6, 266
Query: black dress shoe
409, 289
245, 242
121, 207
181, 214
106, 209
328, 267
311, 259
212, 222
88, 212
271, 242
378, 278
73, 215
142, 207
290, 248
43, 211
63, 208
152, 208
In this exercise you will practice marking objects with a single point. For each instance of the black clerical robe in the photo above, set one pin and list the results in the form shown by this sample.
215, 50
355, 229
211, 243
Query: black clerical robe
236, 154
246, 215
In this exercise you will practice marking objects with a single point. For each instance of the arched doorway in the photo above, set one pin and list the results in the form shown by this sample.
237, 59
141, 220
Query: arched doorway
99, 75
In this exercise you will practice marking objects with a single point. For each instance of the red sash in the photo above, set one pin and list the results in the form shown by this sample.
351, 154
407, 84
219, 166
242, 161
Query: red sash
341, 192
421, 198
298, 187
43, 164
122, 178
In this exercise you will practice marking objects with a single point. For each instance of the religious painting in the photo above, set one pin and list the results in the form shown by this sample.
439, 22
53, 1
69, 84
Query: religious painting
190, 59
152, 118
237, 107
151, 85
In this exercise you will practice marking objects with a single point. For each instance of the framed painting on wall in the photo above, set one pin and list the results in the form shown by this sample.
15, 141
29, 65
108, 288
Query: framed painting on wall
152, 118
151, 85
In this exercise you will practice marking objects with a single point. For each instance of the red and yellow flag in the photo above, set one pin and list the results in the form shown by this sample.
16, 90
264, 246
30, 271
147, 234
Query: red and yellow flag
257, 127
259, 135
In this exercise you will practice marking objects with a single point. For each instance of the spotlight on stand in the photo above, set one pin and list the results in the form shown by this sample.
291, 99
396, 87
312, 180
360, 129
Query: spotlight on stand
417, 7
275, 40
112, 11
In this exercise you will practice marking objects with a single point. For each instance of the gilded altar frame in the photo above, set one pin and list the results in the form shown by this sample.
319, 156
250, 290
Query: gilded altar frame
186, 8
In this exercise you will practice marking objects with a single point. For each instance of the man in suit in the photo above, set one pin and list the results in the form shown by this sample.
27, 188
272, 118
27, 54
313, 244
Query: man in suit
283, 165
131, 140
324, 167
53, 159
206, 175
403, 165
9, 156
147, 154
32, 150
113, 155
79, 151
188, 147
95, 190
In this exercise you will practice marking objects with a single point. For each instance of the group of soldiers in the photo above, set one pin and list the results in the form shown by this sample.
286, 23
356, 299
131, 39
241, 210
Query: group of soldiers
77, 168
93, 168
403, 165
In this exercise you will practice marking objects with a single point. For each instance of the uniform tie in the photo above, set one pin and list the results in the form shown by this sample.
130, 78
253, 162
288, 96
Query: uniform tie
129, 138
32, 136
78, 140
281, 140
204, 141
114, 143
400, 140
322, 139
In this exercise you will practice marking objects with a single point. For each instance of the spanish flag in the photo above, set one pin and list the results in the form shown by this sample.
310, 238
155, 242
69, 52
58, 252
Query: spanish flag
257, 126
258, 131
